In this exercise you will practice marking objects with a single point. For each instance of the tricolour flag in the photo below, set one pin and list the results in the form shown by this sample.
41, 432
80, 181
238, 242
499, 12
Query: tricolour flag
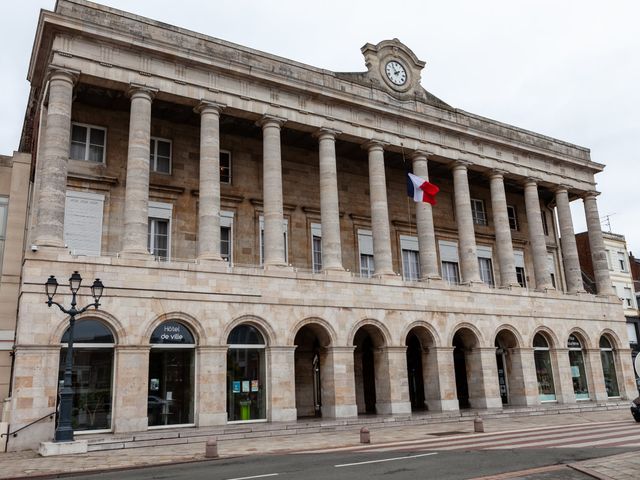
421, 190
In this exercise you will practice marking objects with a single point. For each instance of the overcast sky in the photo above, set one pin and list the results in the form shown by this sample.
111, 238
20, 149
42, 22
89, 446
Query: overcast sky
567, 69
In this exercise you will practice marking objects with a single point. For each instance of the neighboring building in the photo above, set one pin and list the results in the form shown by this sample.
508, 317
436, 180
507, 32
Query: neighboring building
634, 264
621, 267
248, 216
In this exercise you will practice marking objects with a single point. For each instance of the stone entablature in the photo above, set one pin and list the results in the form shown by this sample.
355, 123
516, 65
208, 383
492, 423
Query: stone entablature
303, 97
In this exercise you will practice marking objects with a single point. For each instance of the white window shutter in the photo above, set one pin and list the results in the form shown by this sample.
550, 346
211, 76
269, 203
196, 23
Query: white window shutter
83, 222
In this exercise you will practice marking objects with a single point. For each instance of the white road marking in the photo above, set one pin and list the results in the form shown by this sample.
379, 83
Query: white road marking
255, 476
385, 460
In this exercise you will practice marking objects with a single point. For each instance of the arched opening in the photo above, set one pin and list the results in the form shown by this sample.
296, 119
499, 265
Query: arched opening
464, 341
171, 394
508, 364
544, 369
246, 378
607, 355
576, 364
92, 374
418, 342
311, 341
368, 354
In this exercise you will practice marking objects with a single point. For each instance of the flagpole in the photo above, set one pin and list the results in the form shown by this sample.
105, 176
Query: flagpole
404, 164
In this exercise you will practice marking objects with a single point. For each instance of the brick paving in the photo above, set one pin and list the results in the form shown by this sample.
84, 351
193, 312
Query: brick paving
29, 464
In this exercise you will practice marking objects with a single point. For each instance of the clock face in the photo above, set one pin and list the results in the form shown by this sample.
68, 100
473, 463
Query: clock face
396, 73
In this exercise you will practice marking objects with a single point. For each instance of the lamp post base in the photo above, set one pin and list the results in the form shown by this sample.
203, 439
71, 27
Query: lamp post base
48, 449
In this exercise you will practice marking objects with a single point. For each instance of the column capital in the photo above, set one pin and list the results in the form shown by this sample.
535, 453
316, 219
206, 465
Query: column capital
459, 165
325, 132
560, 188
271, 121
139, 90
64, 74
372, 145
590, 194
496, 173
418, 155
531, 181
208, 106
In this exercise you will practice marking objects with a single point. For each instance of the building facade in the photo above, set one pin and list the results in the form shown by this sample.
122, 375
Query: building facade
248, 217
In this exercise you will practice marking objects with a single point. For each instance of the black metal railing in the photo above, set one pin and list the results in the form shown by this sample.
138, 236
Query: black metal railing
15, 432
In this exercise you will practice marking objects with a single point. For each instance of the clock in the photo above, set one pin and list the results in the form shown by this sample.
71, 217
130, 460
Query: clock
396, 73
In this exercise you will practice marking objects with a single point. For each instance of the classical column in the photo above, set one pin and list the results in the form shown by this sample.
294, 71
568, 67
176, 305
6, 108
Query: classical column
136, 198
274, 254
424, 220
53, 171
212, 376
281, 378
572, 270
379, 210
596, 242
131, 385
209, 194
536, 235
504, 246
329, 203
466, 234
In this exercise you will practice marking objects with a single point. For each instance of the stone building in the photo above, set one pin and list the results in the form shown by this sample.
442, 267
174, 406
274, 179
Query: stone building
248, 216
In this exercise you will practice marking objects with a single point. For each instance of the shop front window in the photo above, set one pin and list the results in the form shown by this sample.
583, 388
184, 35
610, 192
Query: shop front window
609, 367
246, 393
576, 363
170, 399
544, 370
92, 374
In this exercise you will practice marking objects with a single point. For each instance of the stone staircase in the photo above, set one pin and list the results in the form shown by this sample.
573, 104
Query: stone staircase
176, 436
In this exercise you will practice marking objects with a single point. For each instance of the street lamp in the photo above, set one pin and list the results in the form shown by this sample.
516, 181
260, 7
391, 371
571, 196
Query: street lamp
64, 430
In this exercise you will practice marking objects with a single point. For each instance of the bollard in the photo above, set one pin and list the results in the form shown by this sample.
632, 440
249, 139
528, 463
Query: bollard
478, 425
211, 449
365, 436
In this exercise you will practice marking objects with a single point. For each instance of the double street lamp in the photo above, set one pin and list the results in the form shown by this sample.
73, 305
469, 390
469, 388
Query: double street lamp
64, 430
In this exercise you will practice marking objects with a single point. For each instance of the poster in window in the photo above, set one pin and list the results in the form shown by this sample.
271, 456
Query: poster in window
254, 385
236, 387
245, 386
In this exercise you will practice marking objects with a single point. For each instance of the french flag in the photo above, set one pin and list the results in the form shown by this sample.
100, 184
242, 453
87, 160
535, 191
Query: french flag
421, 190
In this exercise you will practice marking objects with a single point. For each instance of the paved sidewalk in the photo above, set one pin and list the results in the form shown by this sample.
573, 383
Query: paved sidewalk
29, 464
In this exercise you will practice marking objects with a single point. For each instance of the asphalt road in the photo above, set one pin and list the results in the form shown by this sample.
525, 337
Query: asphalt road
379, 465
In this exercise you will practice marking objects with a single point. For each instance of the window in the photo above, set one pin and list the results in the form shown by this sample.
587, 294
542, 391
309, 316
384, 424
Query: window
285, 227
633, 333
544, 369
449, 261
159, 229
477, 212
4, 214
609, 367
622, 262
410, 258
160, 155
520, 273
365, 246
87, 143
609, 262
627, 299
552, 270
545, 228
83, 222
225, 166
485, 265
513, 218
576, 364
316, 247
226, 236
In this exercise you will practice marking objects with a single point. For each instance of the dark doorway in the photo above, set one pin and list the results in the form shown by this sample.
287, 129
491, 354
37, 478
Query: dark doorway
311, 343
460, 365
502, 375
368, 375
414, 372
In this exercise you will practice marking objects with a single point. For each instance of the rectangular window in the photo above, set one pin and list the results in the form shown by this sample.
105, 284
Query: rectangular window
316, 247
520, 273
477, 212
627, 299
449, 261
609, 262
513, 217
160, 155
226, 236
545, 227
87, 143
552, 270
4, 213
410, 258
633, 333
285, 239
622, 262
365, 248
159, 230
485, 264
225, 166
83, 222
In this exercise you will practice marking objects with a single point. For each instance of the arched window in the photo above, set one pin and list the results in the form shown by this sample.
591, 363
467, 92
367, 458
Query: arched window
576, 363
544, 370
607, 354
171, 396
246, 393
92, 379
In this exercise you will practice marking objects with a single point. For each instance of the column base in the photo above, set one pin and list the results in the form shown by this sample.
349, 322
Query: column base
340, 411
385, 274
278, 267
136, 255
524, 401
437, 405
336, 273
393, 408
486, 403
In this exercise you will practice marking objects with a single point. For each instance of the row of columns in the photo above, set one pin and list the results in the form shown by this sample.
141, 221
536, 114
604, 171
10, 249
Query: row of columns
53, 172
